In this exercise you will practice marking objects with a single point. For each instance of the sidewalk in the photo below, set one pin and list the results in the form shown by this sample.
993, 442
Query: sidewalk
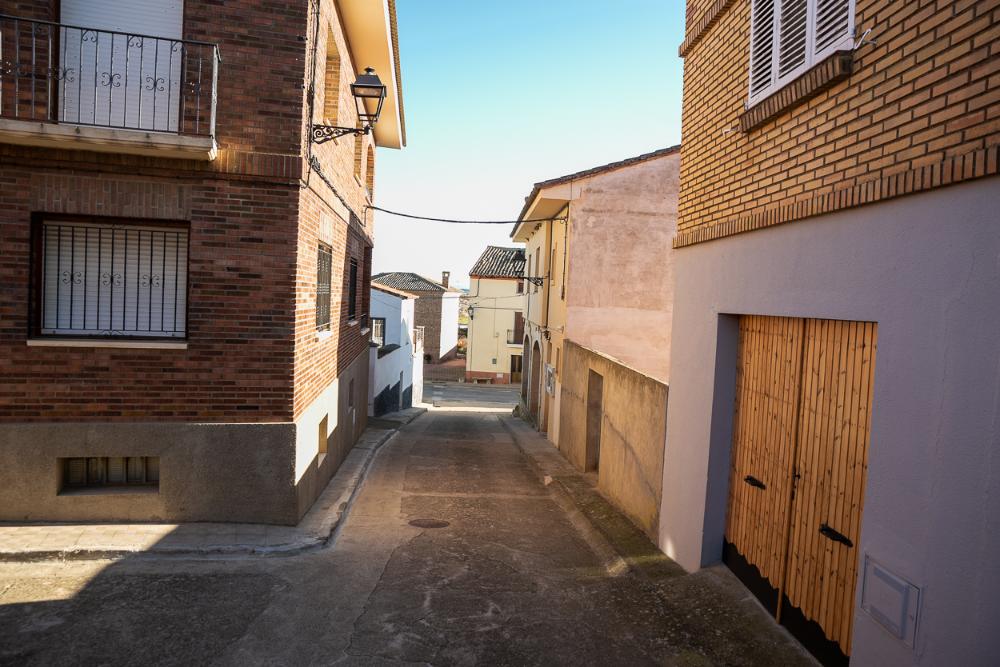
87, 541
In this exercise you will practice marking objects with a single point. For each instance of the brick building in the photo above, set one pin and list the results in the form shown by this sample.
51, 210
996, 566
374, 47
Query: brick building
185, 273
838, 196
436, 311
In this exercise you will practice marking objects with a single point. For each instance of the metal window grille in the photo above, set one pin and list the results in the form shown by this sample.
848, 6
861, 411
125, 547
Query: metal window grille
100, 471
352, 291
378, 331
787, 37
324, 270
113, 280
83, 76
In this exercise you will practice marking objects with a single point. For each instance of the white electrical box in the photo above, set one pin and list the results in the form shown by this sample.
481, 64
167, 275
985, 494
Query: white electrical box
891, 600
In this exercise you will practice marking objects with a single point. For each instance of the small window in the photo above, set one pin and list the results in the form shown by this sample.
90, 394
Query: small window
109, 471
323, 434
370, 171
378, 331
350, 393
787, 37
520, 286
352, 291
324, 269
101, 280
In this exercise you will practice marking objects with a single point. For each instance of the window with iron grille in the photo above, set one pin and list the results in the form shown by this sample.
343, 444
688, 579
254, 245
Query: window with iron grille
100, 279
324, 270
103, 471
787, 37
352, 291
378, 331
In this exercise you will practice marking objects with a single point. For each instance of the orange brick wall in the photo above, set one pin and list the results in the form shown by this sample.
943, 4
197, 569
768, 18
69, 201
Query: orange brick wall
920, 110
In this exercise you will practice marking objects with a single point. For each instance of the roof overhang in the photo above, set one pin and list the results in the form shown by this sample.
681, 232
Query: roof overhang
393, 291
541, 204
370, 27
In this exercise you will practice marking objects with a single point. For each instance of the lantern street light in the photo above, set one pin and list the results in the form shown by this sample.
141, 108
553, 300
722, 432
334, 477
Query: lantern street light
369, 95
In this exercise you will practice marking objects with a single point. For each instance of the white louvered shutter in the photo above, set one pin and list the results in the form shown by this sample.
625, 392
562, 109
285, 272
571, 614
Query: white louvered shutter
834, 24
792, 36
106, 280
761, 48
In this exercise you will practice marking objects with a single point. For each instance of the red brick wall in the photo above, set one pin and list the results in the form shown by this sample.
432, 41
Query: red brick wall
253, 353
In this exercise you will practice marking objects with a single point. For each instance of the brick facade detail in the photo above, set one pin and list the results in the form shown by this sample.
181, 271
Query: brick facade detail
256, 214
919, 110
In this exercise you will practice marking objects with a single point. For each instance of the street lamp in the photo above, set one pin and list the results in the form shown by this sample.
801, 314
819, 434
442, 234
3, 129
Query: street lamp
368, 91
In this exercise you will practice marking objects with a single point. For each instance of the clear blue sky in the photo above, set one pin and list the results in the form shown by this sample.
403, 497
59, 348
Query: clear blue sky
499, 95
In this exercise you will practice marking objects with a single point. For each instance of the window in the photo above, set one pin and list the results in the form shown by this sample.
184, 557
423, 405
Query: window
101, 280
111, 471
352, 291
323, 435
324, 269
350, 393
331, 87
787, 37
378, 331
370, 171
520, 286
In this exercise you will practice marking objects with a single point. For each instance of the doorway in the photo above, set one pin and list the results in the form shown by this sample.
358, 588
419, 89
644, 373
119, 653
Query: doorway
801, 426
595, 420
535, 384
515, 367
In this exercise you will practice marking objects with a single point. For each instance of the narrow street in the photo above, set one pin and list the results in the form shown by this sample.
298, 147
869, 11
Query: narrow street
454, 553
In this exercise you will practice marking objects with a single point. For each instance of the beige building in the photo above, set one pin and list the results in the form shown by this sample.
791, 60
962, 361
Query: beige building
599, 318
497, 301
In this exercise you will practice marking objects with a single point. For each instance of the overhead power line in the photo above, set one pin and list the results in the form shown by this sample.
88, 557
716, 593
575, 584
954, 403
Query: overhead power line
459, 222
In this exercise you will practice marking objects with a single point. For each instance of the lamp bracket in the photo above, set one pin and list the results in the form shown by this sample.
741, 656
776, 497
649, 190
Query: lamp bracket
323, 133
539, 281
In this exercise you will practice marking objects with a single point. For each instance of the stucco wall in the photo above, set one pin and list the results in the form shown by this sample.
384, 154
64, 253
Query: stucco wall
386, 390
926, 268
620, 290
448, 341
494, 303
633, 428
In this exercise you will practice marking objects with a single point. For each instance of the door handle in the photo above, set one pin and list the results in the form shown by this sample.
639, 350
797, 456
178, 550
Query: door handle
834, 535
754, 482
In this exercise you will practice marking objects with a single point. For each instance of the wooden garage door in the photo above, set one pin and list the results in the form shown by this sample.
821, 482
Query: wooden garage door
800, 451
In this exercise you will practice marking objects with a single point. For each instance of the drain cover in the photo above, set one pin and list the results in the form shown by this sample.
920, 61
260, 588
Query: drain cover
429, 523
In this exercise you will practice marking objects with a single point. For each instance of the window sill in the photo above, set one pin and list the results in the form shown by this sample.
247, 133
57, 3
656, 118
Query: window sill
98, 342
353, 323
323, 335
830, 70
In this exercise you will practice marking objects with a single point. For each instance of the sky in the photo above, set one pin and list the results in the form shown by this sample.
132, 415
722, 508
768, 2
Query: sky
500, 95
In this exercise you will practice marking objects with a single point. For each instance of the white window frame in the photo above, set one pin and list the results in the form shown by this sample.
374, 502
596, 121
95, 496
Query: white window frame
811, 58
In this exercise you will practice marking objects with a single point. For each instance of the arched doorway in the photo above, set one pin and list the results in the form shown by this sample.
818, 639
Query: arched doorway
535, 384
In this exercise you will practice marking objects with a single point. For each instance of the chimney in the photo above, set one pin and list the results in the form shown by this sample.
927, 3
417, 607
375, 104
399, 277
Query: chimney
444, 277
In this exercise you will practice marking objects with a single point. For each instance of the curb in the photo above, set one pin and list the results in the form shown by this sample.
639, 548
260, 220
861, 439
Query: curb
619, 543
325, 537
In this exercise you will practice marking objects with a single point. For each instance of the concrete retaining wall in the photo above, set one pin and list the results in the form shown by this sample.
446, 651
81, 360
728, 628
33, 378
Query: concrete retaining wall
632, 432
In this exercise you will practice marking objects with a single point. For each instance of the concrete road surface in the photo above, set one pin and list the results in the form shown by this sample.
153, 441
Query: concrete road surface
453, 554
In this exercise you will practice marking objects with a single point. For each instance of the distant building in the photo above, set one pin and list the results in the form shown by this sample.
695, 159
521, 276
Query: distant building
599, 320
397, 350
496, 317
436, 311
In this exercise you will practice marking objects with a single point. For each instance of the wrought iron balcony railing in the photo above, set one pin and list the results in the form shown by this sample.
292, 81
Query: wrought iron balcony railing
52, 72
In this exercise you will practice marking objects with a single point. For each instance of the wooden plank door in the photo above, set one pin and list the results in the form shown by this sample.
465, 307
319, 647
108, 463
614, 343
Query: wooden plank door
832, 463
798, 466
764, 431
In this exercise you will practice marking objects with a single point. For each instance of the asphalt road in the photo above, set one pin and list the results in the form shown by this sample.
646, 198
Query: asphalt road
494, 573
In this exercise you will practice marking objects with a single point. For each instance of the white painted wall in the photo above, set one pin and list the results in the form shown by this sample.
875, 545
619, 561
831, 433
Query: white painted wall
385, 371
927, 268
449, 321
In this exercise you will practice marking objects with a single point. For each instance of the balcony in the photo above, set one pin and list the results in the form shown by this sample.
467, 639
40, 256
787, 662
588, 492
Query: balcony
72, 87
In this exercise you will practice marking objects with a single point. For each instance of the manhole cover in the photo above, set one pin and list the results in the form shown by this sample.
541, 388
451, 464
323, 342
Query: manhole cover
429, 523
